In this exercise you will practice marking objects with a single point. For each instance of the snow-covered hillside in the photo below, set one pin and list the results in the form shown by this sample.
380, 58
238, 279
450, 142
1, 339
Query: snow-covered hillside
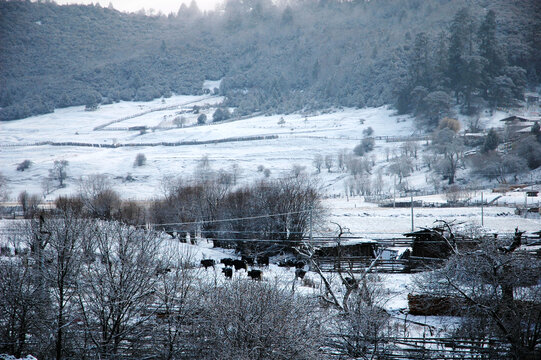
276, 143
295, 140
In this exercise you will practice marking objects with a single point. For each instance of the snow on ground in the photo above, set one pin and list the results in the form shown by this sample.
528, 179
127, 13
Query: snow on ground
299, 138
365, 219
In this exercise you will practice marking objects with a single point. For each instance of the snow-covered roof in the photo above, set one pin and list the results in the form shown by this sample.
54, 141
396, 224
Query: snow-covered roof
348, 242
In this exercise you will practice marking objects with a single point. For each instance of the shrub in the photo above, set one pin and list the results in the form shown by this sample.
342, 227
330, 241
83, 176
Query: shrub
492, 140
140, 160
448, 123
366, 145
24, 165
221, 114
202, 119
358, 150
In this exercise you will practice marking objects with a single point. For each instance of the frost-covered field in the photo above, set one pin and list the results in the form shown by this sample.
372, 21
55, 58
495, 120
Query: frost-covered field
298, 138
372, 222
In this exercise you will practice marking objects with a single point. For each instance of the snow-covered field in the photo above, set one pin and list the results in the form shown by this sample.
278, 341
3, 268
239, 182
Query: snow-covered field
299, 138
296, 141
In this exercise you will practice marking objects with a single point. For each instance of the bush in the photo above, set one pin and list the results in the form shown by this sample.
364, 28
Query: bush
358, 150
492, 140
530, 150
366, 145
24, 165
221, 114
368, 131
448, 123
202, 119
140, 160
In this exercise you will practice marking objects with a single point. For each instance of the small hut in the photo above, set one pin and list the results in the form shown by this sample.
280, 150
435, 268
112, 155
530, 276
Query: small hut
353, 254
431, 244
358, 247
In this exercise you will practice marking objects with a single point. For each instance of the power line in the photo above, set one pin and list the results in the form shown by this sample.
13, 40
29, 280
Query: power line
232, 219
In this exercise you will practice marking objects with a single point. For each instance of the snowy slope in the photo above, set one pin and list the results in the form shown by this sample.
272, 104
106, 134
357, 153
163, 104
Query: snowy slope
296, 141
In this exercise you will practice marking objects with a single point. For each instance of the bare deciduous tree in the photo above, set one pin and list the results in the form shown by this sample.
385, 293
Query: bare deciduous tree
318, 162
177, 301
22, 307
4, 192
258, 320
497, 290
115, 293
59, 172
57, 245
98, 197
329, 161
451, 148
401, 167
29, 203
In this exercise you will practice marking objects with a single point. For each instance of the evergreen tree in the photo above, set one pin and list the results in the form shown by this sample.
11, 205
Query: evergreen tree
460, 46
489, 49
420, 61
492, 141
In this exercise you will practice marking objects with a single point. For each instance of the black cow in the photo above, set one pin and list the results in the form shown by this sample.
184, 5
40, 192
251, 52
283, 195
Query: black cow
287, 263
350, 281
240, 264
228, 272
292, 263
207, 263
255, 274
263, 260
227, 262
299, 273
162, 270
248, 260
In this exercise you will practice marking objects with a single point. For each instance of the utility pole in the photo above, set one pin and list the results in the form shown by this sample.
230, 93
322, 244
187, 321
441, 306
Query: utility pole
394, 192
311, 211
411, 200
482, 211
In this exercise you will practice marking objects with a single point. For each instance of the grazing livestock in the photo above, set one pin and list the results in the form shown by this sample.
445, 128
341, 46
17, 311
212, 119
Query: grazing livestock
299, 273
228, 272
227, 262
292, 263
207, 263
162, 270
350, 281
255, 274
240, 264
262, 260
248, 260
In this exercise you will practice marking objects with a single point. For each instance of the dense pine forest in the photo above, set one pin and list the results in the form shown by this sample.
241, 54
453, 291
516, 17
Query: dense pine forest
421, 56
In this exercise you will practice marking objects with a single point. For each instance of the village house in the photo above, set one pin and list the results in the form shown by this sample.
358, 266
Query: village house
517, 127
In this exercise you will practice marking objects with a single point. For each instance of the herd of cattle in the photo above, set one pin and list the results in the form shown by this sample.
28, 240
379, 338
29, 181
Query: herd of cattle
260, 261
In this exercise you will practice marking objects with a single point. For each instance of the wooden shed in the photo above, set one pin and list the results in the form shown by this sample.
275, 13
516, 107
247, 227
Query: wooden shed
430, 243
346, 254
365, 248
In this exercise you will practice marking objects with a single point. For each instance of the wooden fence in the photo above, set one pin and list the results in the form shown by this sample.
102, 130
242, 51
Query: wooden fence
427, 348
162, 143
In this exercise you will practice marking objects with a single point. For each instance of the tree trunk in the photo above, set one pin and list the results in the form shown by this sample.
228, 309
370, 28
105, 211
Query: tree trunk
59, 333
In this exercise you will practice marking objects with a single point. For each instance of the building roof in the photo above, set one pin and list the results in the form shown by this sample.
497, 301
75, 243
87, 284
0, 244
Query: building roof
520, 119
